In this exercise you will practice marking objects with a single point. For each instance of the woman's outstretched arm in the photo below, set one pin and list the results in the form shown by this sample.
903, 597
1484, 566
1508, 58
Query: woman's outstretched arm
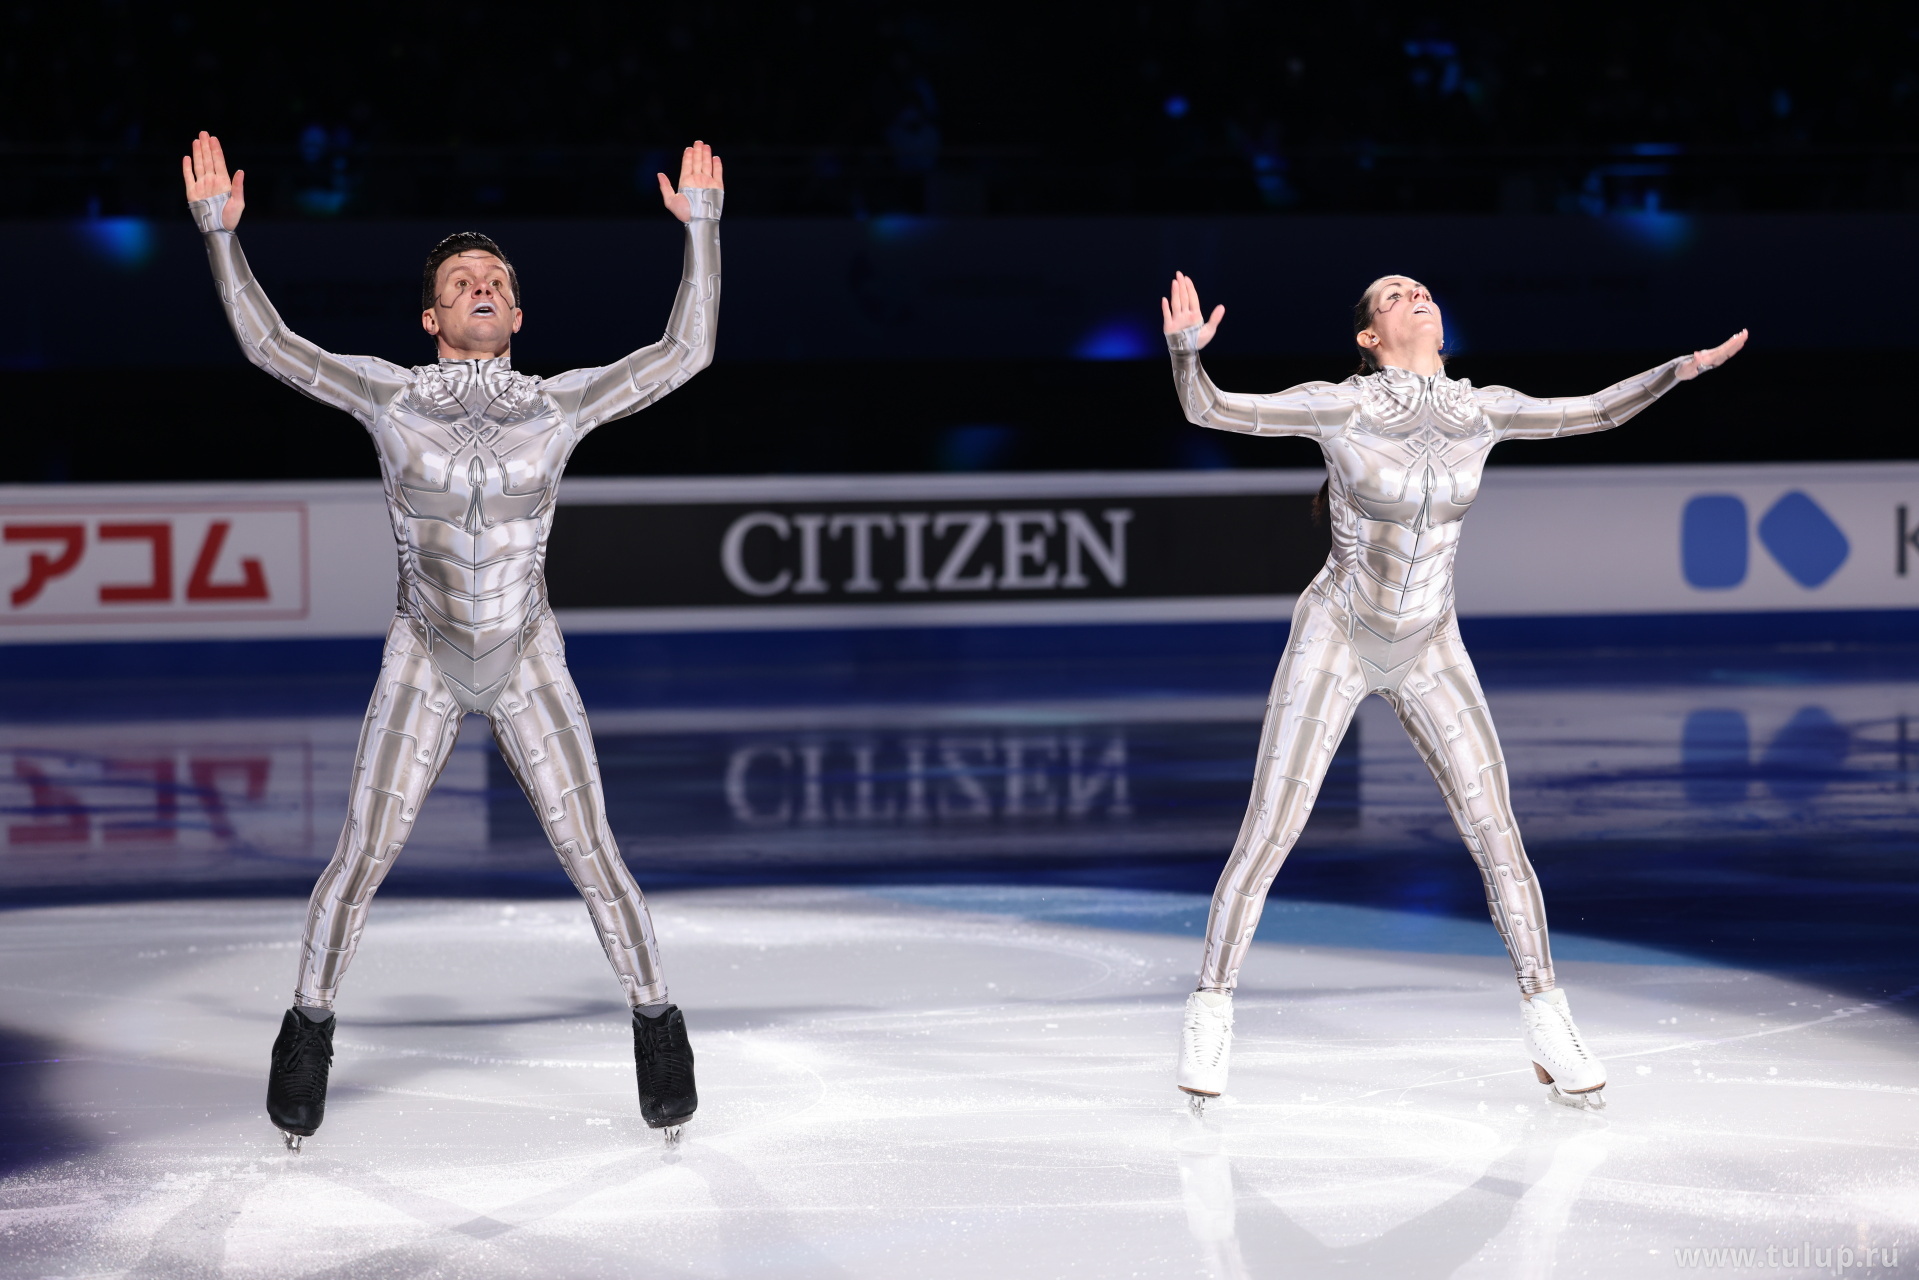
1310, 409
1521, 417
358, 384
594, 396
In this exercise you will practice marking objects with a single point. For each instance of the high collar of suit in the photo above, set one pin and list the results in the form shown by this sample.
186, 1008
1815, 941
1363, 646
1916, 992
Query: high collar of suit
1397, 377
1399, 397
482, 368
485, 378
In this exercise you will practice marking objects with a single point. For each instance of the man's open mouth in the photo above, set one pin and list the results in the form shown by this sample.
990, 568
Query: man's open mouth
484, 309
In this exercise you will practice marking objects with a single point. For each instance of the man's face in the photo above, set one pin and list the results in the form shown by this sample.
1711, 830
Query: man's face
473, 305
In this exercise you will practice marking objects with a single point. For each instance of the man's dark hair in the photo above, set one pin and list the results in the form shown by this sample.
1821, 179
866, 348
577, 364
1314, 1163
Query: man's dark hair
454, 245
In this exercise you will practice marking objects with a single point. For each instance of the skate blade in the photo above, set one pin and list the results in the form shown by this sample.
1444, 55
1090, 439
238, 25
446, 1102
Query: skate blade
1591, 1100
293, 1141
1196, 1104
674, 1135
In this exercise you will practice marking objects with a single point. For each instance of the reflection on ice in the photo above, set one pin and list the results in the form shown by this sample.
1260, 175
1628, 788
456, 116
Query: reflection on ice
1508, 1221
693, 793
915, 779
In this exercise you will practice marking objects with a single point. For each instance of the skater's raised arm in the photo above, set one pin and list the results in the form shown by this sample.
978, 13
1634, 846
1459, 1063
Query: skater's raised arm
358, 384
1310, 409
1520, 417
594, 396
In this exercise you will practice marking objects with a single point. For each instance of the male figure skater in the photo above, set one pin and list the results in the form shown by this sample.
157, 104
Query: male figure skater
471, 454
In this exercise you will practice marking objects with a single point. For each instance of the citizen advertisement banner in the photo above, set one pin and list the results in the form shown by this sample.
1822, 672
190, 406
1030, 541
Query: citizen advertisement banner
232, 561
940, 548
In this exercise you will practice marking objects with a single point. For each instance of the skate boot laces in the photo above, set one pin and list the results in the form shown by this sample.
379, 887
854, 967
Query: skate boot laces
297, 1076
1209, 1032
301, 1061
1206, 1043
663, 1057
1573, 1073
668, 1070
1554, 1032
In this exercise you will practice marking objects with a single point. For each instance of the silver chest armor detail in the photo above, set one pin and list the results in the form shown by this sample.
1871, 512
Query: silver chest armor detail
1405, 455
1399, 491
471, 453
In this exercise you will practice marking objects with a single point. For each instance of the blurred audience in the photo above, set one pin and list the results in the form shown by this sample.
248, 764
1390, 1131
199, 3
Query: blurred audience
985, 107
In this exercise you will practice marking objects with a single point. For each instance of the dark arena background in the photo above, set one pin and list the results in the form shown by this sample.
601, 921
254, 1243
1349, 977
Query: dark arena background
926, 643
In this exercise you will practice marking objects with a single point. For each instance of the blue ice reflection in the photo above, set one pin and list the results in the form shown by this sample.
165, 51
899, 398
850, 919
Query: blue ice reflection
1715, 757
1793, 818
1807, 757
1803, 760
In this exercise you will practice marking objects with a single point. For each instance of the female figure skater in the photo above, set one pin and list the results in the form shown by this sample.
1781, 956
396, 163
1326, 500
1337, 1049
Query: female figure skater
1404, 447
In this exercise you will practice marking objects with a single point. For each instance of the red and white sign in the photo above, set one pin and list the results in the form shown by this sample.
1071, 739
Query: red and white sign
156, 562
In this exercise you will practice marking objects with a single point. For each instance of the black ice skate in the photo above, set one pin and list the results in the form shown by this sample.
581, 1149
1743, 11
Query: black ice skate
296, 1083
664, 1061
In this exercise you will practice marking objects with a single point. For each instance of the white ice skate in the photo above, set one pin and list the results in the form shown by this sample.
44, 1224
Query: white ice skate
1206, 1045
1573, 1076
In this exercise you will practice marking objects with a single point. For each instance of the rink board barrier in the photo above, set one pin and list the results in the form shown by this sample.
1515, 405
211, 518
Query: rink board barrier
1788, 551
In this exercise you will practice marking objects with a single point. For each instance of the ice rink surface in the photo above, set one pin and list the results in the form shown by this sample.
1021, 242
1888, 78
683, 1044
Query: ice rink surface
932, 942
928, 1082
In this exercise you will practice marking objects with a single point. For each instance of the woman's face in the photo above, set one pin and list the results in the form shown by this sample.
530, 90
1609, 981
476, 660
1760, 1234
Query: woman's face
1405, 317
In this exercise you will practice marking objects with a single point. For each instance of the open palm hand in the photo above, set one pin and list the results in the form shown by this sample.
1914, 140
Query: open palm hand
699, 167
1180, 309
205, 172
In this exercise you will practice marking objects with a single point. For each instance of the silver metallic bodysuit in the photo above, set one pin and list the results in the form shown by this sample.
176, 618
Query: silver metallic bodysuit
471, 454
1404, 455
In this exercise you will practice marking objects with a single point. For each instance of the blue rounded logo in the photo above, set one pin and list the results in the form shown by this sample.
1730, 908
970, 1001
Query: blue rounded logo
1713, 541
1803, 539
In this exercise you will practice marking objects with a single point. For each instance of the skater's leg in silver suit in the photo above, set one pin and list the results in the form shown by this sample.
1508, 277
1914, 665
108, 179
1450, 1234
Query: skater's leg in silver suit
540, 724
409, 732
1314, 693
1444, 710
